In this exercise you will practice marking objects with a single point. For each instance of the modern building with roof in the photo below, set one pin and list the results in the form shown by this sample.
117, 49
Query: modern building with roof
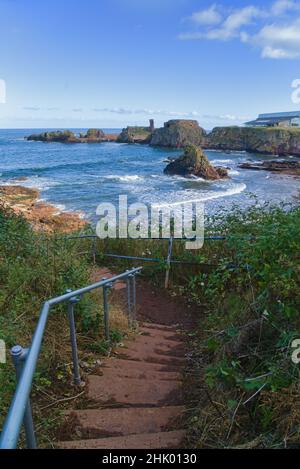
277, 119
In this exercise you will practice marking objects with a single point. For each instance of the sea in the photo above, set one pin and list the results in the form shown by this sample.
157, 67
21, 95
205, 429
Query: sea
78, 177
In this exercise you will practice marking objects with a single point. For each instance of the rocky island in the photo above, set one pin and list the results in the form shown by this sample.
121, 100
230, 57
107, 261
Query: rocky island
194, 163
67, 136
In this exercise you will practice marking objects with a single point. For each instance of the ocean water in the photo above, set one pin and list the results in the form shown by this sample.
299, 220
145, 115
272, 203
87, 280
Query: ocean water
78, 177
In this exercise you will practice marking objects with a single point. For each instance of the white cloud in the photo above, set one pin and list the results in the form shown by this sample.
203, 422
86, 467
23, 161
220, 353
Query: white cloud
274, 30
279, 42
241, 18
2, 92
226, 117
208, 17
147, 112
230, 27
282, 6
31, 108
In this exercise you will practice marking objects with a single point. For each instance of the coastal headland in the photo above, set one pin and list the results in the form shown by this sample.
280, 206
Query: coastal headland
180, 133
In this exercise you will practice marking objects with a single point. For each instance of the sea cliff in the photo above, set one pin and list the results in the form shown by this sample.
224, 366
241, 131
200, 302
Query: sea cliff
269, 141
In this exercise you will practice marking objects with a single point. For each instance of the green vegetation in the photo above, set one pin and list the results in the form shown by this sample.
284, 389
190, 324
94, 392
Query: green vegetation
135, 135
251, 305
250, 308
245, 385
33, 268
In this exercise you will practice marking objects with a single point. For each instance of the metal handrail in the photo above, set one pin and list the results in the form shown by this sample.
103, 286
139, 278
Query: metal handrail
205, 238
26, 360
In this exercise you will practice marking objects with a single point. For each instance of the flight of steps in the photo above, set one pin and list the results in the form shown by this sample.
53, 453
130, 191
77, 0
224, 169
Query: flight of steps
137, 395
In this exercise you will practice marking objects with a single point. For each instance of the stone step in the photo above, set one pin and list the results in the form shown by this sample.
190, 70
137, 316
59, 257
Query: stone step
161, 327
146, 354
125, 421
167, 335
138, 370
162, 440
155, 344
133, 392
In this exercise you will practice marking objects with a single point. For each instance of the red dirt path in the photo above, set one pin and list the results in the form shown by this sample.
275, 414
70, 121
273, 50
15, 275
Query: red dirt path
135, 400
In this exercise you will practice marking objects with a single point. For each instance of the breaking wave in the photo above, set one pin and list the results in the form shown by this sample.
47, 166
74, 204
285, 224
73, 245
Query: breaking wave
236, 189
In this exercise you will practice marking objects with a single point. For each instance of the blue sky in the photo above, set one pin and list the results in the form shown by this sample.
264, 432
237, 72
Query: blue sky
109, 63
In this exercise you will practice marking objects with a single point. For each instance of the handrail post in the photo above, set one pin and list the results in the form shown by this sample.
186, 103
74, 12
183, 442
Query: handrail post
94, 249
106, 289
76, 372
129, 297
133, 297
19, 355
169, 258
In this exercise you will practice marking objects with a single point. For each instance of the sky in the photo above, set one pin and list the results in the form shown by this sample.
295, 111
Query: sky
112, 63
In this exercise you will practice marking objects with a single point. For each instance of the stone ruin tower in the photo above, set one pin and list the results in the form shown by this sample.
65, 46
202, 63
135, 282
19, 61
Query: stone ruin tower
151, 125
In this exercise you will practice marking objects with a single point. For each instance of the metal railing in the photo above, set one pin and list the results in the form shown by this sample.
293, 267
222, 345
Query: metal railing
25, 360
168, 260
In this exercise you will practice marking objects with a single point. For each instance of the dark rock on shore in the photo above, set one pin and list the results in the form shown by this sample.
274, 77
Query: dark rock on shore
194, 163
178, 134
285, 167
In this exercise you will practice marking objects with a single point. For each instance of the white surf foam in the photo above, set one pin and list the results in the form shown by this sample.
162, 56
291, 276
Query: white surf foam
236, 189
216, 162
33, 182
128, 178
233, 172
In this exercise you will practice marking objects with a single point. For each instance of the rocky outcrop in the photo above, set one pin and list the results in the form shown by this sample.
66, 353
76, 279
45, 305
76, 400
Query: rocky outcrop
269, 141
56, 136
285, 167
66, 136
194, 163
135, 135
95, 133
42, 216
178, 134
